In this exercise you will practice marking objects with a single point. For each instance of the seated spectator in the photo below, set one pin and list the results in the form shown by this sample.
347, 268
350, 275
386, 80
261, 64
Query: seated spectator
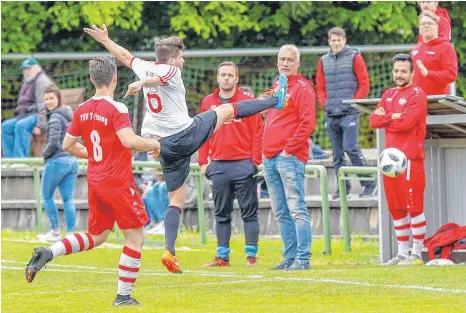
154, 195
61, 168
435, 60
29, 113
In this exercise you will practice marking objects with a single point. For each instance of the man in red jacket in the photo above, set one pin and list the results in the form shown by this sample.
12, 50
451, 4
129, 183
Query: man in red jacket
234, 152
286, 151
444, 25
436, 64
342, 75
402, 111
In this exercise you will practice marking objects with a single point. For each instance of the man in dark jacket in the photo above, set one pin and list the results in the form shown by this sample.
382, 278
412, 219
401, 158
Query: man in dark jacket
341, 75
29, 113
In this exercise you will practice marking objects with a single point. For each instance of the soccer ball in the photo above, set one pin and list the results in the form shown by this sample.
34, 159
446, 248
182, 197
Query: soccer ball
392, 162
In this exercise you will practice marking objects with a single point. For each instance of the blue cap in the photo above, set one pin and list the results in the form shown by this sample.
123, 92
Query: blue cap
28, 62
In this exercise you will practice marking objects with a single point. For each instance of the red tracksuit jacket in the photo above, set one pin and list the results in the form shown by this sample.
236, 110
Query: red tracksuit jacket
439, 57
289, 129
409, 131
235, 140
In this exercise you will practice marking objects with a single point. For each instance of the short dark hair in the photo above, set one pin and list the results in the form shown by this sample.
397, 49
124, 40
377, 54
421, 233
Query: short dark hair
168, 47
228, 63
337, 31
56, 91
102, 70
401, 57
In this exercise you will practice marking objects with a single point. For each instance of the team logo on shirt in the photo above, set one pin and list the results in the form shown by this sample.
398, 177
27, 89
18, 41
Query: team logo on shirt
402, 101
389, 99
415, 52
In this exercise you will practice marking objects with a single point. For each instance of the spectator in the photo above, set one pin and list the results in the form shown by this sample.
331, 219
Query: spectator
234, 152
154, 195
29, 113
435, 61
286, 151
342, 74
61, 167
444, 23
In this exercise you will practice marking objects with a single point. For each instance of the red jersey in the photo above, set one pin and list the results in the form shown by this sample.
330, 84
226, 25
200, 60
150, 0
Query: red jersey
289, 129
97, 121
238, 139
439, 57
409, 131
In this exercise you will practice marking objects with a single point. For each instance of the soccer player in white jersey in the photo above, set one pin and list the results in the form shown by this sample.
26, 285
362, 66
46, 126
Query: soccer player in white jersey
168, 121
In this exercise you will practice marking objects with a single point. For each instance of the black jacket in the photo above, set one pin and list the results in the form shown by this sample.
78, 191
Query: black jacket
58, 122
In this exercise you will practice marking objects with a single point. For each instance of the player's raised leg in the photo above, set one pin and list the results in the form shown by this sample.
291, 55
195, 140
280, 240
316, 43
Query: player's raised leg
229, 111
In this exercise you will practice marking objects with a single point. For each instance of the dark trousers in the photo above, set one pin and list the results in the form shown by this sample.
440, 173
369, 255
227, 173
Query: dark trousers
224, 192
344, 134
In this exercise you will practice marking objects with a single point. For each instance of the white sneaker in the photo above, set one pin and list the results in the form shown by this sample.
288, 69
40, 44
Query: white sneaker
414, 259
397, 260
51, 236
153, 229
160, 229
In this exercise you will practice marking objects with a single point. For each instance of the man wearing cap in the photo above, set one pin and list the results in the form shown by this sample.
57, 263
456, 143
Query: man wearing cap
29, 113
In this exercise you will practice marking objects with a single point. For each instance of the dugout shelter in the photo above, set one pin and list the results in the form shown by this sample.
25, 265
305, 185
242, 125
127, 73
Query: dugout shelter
445, 164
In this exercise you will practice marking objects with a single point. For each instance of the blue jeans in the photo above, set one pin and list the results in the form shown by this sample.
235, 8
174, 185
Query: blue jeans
61, 173
16, 136
156, 201
285, 181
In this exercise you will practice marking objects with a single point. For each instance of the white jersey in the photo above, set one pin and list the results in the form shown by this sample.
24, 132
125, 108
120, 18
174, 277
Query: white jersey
166, 109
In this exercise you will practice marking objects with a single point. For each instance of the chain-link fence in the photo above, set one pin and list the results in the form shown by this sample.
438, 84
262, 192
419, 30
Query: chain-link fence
199, 76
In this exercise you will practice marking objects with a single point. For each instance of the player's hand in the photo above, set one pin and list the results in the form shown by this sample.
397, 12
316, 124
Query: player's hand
36, 131
380, 111
423, 69
204, 168
134, 88
396, 116
98, 34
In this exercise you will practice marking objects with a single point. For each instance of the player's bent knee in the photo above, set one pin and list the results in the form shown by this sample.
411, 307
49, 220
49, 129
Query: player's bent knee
100, 238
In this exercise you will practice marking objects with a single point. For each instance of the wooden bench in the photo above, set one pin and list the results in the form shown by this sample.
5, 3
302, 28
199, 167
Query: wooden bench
70, 97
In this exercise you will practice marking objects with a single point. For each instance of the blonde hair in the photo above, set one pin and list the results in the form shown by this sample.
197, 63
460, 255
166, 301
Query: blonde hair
168, 47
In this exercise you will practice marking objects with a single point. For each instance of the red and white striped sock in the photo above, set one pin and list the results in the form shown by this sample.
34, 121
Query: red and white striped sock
402, 232
128, 269
73, 243
418, 224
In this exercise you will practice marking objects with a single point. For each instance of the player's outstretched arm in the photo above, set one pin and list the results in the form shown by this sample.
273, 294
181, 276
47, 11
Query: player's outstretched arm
71, 145
135, 87
101, 35
130, 140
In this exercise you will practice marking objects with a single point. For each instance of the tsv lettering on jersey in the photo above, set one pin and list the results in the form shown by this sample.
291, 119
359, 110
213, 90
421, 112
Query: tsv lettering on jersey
93, 117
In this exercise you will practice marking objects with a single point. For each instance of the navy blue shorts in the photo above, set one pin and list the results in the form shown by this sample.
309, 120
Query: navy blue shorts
176, 150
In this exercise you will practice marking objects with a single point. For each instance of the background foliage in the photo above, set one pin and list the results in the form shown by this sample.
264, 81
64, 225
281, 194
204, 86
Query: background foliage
29, 27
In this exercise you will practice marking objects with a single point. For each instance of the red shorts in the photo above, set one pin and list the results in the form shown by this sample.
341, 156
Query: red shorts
406, 192
124, 206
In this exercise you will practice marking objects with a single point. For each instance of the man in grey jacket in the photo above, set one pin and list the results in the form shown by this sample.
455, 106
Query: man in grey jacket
29, 113
341, 75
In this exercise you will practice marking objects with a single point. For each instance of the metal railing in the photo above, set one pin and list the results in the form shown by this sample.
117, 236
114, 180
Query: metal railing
342, 177
312, 171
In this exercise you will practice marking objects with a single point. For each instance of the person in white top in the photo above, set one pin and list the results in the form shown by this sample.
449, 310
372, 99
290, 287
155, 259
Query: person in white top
168, 121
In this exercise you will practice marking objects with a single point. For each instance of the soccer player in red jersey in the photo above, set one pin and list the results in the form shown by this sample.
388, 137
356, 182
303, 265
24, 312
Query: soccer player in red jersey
402, 111
105, 127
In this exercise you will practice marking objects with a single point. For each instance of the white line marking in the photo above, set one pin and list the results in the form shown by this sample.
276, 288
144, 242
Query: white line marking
245, 278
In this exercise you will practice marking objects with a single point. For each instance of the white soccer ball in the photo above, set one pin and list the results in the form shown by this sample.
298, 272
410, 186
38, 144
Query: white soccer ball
392, 162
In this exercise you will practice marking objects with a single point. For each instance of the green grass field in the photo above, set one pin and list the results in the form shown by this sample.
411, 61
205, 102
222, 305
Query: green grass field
86, 282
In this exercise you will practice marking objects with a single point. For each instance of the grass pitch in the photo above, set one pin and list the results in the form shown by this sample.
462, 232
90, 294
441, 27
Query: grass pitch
86, 282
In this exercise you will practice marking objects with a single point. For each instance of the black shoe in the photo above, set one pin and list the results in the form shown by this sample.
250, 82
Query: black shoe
125, 300
40, 257
336, 195
369, 191
283, 265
